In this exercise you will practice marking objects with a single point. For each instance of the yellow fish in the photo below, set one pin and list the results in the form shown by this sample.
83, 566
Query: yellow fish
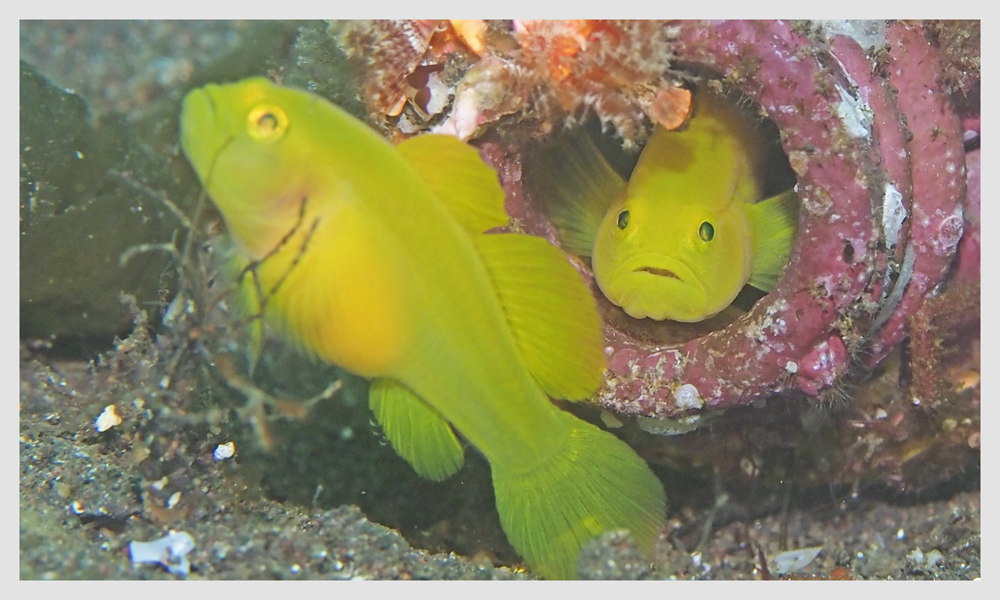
689, 229
374, 257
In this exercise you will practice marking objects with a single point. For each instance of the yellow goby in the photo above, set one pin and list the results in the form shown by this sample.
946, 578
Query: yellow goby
375, 258
689, 229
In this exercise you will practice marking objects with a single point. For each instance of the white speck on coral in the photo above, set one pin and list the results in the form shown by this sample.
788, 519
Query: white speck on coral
855, 114
866, 32
440, 94
792, 366
893, 214
687, 397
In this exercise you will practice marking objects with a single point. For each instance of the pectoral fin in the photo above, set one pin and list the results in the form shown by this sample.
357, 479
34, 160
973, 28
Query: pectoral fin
550, 310
248, 306
576, 186
415, 429
774, 223
464, 183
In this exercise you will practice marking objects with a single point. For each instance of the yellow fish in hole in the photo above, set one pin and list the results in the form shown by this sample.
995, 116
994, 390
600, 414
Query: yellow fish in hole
689, 229
375, 258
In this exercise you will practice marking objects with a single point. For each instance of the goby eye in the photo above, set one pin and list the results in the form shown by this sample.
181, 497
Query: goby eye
267, 122
706, 232
623, 219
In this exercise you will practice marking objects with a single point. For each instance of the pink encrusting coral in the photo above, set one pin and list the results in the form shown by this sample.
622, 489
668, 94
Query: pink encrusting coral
818, 301
937, 163
854, 167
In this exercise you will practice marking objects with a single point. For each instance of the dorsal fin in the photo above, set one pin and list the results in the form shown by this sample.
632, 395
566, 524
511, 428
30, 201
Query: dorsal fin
550, 311
459, 177
576, 185
774, 223
415, 429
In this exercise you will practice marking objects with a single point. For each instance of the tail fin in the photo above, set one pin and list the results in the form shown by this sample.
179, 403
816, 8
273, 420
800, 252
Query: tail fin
596, 483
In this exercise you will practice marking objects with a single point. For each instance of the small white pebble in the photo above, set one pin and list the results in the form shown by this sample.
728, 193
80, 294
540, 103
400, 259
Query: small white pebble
173, 499
934, 558
792, 366
881, 414
900, 534
159, 483
795, 560
107, 419
224, 451
170, 551
295, 568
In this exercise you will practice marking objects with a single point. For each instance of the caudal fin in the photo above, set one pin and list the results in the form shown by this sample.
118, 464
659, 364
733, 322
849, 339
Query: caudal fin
594, 484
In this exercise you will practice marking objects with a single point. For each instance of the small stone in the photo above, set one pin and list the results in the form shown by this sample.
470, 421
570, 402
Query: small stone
170, 551
795, 560
934, 558
107, 419
224, 451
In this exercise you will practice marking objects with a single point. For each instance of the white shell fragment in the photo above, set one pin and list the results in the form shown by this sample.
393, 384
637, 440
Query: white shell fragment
893, 214
224, 451
855, 114
687, 397
170, 551
795, 560
867, 33
107, 419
